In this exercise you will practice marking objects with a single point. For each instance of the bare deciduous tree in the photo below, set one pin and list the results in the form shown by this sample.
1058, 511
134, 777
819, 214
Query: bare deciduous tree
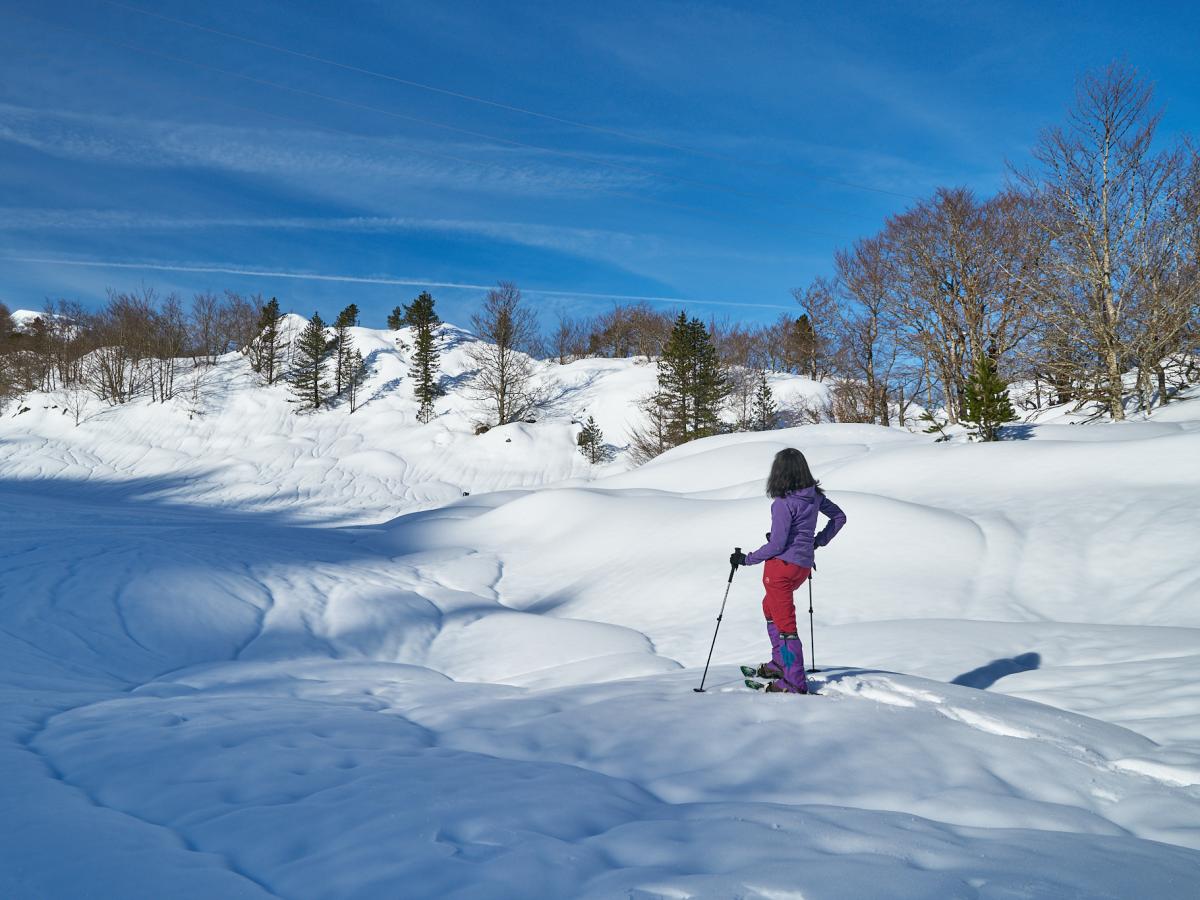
504, 379
75, 400
1113, 228
960, 270
868, 327
167, 343
810, 343
237, 322
205, 325
569, 340
121, 333
629, 330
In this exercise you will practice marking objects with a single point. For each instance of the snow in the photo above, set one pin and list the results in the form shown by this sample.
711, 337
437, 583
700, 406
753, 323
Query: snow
249, 653
24, 318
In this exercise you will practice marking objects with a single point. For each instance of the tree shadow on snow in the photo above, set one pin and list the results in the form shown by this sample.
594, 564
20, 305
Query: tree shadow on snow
985, 676
169, 511
1022, 432
137, 577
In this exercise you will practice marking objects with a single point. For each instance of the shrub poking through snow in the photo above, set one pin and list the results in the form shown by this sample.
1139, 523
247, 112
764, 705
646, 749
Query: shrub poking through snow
591, 443
764, 413
985, 401
934, 425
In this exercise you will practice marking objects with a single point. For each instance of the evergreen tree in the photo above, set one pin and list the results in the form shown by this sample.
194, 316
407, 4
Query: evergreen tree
676, 377
265, 350
422, 318
343, 348
357, 375
395, 319
985, 401
591, 443
308, 377
691, 381
712, 385
765, 414
934, 425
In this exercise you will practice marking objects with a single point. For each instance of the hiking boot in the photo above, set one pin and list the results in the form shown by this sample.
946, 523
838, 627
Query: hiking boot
776, 687
769, 670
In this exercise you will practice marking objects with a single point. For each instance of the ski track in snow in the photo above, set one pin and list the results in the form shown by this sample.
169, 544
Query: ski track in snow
293, 660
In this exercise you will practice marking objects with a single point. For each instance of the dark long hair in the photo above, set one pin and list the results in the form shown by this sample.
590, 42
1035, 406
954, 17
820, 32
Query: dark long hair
790, 472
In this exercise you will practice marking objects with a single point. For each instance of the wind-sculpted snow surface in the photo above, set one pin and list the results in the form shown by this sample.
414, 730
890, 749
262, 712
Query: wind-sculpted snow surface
292, 660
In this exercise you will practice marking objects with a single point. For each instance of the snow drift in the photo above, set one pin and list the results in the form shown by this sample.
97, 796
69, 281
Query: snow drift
250, 654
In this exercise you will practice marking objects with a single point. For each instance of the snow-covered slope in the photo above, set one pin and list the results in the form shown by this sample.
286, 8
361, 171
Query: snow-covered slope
23, 318
251, 654
237, 442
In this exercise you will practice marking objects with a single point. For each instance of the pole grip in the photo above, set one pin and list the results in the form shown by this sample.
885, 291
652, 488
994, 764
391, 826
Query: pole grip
733, 569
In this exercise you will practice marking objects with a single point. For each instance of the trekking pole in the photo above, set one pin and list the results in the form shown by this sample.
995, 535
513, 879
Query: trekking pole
812, 641
720, 615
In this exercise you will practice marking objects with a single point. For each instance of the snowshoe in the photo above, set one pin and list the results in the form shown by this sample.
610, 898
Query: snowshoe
766, 670
775, 688
754, 685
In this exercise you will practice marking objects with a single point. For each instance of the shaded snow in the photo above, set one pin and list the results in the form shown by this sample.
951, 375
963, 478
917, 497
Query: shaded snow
252, 654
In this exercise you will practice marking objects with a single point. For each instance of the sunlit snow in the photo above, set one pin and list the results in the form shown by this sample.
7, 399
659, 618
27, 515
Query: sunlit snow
248, 653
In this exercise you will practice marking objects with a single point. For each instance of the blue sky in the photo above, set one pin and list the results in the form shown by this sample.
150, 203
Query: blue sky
734, 146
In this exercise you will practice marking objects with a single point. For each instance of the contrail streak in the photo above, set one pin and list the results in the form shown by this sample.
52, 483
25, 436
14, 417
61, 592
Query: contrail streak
364, 279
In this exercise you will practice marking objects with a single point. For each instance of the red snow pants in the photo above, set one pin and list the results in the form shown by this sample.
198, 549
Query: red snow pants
780, 580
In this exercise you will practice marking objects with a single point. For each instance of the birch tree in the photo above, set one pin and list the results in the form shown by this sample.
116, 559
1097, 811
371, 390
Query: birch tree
1116, 239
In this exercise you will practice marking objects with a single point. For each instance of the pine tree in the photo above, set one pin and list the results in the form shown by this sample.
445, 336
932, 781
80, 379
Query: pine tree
422, 318
765, 414
676, 381
712, 383
692, 386
357, 375
265, 350
343, 348
308, 376
985, 401
395, 319
591, 443
691, 381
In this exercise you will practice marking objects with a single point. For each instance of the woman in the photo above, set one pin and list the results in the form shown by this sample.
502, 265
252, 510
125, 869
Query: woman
788, 554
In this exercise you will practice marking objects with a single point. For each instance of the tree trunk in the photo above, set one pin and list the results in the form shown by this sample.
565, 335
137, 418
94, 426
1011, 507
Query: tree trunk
1161, 373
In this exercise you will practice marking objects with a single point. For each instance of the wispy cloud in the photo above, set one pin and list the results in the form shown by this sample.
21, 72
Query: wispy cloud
561, 237
634, 253
298, 154
373, 279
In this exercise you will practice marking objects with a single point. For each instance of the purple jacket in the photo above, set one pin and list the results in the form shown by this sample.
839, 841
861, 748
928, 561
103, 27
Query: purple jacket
793, 527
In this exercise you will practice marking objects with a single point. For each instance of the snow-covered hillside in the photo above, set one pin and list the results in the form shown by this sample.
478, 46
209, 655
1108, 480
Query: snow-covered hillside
235, 441
248, 653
